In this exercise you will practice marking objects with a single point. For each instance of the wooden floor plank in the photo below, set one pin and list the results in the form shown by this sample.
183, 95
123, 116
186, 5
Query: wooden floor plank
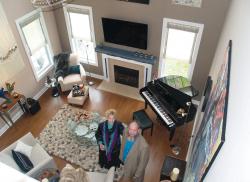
100, 101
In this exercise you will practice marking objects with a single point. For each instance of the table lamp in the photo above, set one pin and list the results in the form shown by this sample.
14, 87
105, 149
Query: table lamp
174, 174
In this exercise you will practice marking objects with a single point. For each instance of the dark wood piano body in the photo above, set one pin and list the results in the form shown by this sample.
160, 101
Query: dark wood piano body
171, 99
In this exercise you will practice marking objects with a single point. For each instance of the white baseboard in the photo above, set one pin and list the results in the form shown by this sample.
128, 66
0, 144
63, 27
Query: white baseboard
40, 93
101, 77
19, 113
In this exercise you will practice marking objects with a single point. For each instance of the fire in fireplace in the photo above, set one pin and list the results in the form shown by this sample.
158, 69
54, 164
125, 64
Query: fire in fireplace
126, 76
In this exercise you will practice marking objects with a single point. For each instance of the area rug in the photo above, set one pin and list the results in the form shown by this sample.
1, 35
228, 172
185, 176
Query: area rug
57, 140
120, 89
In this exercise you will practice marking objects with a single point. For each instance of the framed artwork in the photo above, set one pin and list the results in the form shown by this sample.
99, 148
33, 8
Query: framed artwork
137, 1
211, 133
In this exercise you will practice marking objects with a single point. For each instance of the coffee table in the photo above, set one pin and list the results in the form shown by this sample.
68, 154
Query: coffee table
85, 128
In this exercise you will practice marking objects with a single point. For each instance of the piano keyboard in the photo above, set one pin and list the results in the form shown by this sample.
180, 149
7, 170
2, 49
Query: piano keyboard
159, 109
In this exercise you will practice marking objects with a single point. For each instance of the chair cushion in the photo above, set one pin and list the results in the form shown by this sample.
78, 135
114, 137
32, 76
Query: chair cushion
110, 175
22, 161
72, 78
96, 176
38, 155
23, 148
74, 69
8, 160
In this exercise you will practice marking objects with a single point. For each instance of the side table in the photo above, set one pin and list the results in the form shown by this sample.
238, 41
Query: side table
4, 111
168, 165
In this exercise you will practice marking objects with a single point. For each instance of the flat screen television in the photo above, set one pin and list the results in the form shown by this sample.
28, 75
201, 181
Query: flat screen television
125, 33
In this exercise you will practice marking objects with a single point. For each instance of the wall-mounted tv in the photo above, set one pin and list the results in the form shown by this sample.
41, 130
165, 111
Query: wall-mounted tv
125, 33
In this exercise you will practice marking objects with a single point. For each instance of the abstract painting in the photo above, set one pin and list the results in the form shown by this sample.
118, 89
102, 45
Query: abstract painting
211, 134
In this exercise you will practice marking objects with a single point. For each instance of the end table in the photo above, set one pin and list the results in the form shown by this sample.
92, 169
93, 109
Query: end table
168, 165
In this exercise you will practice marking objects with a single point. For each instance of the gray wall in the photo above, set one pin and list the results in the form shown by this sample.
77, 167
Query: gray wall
212, 15
232, 161
25, 79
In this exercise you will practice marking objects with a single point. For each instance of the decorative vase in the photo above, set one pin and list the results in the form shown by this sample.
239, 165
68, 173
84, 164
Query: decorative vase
10, 87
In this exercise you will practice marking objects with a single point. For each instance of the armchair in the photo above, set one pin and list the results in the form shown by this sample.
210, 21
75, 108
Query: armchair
39, 157
68, 81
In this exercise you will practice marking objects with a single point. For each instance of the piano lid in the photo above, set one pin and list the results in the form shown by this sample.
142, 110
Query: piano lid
180, 83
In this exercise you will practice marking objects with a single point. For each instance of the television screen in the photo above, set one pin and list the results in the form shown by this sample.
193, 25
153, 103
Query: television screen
125, 33
137, 1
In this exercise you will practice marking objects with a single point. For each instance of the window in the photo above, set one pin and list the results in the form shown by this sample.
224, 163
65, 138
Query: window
192, 3
34, 36
80, 27
179, 48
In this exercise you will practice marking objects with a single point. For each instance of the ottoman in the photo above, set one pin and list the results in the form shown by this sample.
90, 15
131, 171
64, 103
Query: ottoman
79, 100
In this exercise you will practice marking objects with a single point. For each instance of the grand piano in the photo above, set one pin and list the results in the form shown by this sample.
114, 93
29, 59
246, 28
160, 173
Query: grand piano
170, 98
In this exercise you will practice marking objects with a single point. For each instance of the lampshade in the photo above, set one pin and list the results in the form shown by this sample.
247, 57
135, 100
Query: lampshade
47, 3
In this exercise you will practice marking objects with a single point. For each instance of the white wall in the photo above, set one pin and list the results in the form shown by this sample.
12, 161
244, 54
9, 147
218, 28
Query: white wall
233, 161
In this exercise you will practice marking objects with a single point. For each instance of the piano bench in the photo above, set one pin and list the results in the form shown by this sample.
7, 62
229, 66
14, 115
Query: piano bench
143, 120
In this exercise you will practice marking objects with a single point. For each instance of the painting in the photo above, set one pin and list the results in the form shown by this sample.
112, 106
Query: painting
211, 134
137, 1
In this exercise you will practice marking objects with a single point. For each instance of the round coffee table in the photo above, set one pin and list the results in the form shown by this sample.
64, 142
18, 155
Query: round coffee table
84, 130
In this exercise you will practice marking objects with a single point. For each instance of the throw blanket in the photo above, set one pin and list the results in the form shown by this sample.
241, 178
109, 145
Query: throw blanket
61, 62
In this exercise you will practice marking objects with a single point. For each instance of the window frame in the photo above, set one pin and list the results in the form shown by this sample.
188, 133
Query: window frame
164, 38
69, 28
47, 46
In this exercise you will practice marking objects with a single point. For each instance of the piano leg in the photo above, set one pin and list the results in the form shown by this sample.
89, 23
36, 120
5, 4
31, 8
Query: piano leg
146, 105
172, 131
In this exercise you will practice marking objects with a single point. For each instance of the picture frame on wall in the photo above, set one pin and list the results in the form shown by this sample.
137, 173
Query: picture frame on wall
211, 133
137, 1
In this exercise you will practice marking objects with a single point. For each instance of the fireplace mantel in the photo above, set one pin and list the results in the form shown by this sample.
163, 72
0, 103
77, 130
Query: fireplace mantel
136, 56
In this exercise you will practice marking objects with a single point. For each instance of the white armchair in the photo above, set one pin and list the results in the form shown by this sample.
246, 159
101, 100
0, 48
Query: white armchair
39, 157
67, 82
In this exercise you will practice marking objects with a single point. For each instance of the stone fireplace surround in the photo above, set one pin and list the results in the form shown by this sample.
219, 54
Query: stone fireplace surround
109, 61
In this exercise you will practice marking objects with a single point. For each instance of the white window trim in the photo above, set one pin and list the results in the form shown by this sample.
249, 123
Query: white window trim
165, 28
89, 9
18, 22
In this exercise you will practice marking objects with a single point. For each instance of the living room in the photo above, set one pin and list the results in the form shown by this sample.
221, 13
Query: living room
217, 22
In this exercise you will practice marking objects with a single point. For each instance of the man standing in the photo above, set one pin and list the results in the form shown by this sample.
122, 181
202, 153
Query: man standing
134, 153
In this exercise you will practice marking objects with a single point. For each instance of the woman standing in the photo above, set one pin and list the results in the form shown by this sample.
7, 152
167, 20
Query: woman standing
108, 138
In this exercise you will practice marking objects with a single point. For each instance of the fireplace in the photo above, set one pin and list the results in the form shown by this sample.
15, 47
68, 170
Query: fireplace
126, 76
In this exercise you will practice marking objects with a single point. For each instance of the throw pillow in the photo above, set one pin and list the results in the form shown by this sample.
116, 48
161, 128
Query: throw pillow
22, 161
70, 174
74, 69
23, 148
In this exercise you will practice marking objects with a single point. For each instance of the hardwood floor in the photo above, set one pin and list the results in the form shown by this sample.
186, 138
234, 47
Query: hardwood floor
100, 101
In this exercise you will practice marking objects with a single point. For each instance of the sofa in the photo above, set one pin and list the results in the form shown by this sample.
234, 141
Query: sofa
39, 157
68, 81
102, 177
69, 173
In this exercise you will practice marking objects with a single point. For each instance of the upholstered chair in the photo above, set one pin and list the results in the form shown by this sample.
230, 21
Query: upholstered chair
68, 81
39, 157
